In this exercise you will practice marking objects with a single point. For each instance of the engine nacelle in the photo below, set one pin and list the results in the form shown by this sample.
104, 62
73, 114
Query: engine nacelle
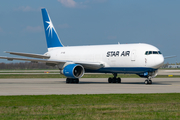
73, 71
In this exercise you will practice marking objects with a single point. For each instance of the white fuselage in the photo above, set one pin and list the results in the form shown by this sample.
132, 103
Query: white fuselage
119, 56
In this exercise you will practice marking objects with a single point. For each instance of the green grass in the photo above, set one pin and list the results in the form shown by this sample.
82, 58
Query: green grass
103, 106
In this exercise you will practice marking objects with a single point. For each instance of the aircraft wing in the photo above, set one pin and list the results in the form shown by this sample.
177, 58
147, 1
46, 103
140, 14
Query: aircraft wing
32, 60
86, 65
166, 57
29, 55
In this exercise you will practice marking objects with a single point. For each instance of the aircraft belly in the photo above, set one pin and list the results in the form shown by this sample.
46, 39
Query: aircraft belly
126, 70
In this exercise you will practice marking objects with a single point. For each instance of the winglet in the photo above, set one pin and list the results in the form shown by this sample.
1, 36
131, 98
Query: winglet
52, 38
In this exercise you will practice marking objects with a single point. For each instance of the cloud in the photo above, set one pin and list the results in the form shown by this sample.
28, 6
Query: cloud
73, 4
68, 3
100, 1
26, 9
63, 25
34, 29
93, 1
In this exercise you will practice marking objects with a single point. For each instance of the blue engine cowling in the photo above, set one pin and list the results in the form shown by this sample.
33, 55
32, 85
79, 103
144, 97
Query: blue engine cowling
73, 71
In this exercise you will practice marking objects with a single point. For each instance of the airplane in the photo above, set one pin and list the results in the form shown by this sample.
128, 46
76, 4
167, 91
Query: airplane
73, 61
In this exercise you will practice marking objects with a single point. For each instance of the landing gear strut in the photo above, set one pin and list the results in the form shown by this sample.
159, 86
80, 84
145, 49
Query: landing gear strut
148, 81
72, 80
114, 79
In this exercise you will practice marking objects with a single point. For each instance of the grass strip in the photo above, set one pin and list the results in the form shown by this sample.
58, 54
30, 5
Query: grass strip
103, 106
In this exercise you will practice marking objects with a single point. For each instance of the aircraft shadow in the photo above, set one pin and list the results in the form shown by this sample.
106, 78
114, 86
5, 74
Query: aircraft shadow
123, 83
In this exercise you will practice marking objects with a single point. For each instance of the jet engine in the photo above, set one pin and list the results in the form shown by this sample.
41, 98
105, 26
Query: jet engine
73, 71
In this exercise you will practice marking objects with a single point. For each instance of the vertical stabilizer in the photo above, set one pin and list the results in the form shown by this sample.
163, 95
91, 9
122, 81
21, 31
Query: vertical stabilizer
52, 38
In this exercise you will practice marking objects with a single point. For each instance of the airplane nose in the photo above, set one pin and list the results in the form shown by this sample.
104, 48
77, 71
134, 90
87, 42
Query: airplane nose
159, 61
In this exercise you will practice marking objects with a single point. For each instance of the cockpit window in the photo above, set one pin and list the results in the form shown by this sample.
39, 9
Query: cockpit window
155, 52
152, 52
159, 52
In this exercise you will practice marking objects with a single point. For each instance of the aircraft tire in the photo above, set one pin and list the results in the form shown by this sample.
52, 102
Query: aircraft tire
114, 80
67, 80
70, 80
118, 80
110, 80
77, 81
73, 80
146, 82
150, 81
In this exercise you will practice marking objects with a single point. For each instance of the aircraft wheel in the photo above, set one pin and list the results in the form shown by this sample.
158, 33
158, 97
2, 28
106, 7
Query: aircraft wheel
150, 81
118, 80
73, 80
114, 80
77, 80
67, 80
110, 80
146, 82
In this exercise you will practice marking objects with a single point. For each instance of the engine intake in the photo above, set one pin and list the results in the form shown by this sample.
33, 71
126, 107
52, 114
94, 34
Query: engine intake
73, 71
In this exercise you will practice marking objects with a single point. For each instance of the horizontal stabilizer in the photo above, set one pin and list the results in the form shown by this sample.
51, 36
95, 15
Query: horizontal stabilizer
29, 55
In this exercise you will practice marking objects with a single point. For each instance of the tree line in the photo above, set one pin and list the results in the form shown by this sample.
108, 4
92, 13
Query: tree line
25, 65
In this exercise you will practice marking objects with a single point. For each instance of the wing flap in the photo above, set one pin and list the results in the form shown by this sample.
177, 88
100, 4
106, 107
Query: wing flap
29, 55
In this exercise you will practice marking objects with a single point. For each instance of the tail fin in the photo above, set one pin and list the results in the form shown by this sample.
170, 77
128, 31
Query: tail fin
52, 38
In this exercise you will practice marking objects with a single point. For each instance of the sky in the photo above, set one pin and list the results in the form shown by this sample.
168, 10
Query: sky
91, 22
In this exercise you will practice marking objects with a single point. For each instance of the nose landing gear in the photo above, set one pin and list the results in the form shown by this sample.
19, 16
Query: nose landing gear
148, 81
114, 79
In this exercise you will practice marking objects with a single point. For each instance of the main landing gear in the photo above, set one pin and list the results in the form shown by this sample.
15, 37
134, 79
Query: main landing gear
114, 79
148, 81
72, 80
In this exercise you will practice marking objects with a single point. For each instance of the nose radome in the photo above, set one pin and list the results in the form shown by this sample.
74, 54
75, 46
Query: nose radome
159, 61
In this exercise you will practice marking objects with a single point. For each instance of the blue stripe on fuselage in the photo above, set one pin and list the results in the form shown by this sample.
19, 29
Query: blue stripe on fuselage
126, 70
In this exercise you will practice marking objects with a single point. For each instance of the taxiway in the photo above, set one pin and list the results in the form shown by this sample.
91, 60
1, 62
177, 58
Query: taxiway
87, 86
